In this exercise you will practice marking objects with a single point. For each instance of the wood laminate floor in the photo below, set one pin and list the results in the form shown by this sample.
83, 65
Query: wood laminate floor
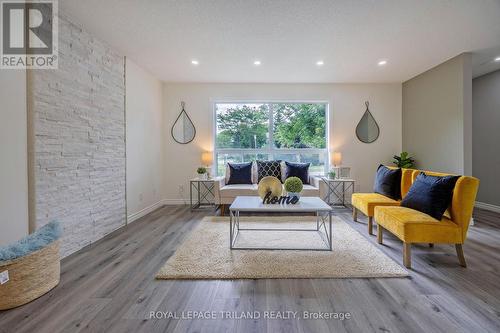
110, 287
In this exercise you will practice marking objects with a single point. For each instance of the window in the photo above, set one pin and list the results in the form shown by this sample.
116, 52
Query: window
295, 132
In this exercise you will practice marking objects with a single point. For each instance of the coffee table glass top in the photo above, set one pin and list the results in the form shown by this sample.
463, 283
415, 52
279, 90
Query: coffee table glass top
254, 203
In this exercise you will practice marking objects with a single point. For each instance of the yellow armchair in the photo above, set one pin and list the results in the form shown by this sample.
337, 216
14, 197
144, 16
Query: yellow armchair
366, 202
412, 226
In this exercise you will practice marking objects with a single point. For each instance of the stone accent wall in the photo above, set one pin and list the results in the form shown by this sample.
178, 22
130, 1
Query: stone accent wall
78, 116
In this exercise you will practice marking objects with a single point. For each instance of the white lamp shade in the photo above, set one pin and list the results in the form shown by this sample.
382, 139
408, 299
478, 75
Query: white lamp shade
206, 158
337, 158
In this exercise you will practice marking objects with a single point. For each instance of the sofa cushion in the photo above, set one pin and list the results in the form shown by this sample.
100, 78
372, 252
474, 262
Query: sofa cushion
388, 182
300, 170
269, 168
309, 191
413, 226
366, 202
430, 194
240, 173
233, 191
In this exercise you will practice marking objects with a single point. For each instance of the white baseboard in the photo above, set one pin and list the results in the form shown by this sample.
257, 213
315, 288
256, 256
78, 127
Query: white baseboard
153, 207
489, 207
170, 202
135, 216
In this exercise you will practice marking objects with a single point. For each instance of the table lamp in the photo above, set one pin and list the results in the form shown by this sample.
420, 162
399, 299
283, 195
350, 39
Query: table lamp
337, 159
206, 160
336, 170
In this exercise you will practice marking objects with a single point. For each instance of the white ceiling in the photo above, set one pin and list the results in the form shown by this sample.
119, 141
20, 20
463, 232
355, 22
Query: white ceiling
289, 36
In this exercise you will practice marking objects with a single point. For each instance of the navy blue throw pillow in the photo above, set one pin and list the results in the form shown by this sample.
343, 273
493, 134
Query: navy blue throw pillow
240, 173
430, 194
300, 170
269, 168
388, 182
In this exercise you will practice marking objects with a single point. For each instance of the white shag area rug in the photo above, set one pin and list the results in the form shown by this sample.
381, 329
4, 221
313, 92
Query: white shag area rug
206, 254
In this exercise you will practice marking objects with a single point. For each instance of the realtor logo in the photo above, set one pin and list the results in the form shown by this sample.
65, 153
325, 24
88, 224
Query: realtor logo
29, 34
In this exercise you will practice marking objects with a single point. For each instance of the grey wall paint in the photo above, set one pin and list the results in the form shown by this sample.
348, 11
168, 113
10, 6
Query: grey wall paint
437, 117
78, 116
486, 136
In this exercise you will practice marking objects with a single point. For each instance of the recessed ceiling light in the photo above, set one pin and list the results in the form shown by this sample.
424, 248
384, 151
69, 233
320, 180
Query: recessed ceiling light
319, 63
382, 62
257, 62
497, 59
195, 62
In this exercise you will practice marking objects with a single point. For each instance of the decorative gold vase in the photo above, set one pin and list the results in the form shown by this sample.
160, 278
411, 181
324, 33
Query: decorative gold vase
270, 184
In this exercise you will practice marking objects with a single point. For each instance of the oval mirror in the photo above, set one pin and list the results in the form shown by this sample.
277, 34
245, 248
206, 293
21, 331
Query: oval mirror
367, 130
183, 130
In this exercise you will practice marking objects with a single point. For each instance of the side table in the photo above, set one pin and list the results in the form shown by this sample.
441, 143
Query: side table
201, 193
338, 188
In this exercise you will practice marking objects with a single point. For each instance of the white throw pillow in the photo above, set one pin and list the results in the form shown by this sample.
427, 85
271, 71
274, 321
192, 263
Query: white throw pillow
283, 171
228, 173
254, 172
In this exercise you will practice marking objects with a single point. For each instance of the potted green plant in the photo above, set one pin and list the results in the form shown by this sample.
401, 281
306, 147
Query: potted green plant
293, 186
331, 174
404, 160
202, 172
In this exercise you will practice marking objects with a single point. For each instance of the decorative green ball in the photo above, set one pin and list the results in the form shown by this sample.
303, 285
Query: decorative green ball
293, 185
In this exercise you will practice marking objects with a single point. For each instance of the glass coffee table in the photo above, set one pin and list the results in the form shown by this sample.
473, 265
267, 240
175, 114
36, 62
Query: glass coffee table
253, 204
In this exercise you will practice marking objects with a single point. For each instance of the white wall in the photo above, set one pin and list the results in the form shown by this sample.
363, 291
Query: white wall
144, 141
13, 152
346, 109
437, 117
486, 136
156, 165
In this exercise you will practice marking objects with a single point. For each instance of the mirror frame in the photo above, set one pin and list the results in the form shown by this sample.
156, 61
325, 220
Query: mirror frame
175, 122
378, 127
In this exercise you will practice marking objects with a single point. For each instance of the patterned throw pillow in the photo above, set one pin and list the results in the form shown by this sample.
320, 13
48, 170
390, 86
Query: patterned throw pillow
269, 168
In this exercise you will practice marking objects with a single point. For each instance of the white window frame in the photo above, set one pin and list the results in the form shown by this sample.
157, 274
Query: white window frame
270, 150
